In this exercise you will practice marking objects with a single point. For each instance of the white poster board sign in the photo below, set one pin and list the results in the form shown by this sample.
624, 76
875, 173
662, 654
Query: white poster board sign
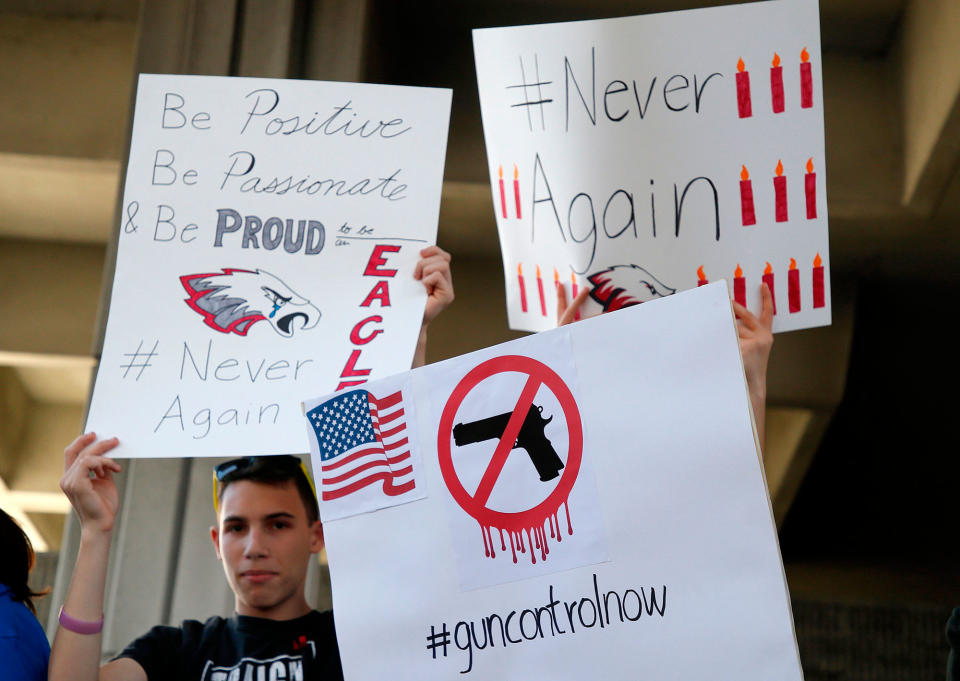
646, 155
587, 508
269, 235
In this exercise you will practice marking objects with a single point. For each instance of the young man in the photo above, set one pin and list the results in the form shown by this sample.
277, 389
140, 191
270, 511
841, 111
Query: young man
267, 531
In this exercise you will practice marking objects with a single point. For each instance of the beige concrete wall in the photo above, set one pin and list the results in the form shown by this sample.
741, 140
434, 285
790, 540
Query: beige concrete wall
51, 291
72, 114
929, 73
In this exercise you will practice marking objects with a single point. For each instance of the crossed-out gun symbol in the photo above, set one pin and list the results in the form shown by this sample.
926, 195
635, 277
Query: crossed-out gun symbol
531, 438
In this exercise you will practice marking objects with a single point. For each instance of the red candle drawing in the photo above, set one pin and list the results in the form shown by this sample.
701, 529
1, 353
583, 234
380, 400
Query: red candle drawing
793, 286
806, 80
701, 277
739, 286
818, 296
780, 192
768, 280
744, 106
516, 189
503, 196
523, 288
543, 300
573, 278
747, 212
776, 84
810, 184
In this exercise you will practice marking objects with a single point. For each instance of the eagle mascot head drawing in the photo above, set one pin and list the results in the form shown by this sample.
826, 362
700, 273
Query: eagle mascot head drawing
233, 300
625, 285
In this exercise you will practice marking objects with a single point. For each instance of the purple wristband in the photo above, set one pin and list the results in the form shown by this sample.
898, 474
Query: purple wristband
79, 626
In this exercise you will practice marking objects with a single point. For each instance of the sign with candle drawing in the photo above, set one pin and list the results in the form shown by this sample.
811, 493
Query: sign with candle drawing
548, 509
269, 235
656, 145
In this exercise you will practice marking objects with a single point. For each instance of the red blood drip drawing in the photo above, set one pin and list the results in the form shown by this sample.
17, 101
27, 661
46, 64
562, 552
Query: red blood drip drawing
509, 433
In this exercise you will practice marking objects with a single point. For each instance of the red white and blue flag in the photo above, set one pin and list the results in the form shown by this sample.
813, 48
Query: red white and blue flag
362, 440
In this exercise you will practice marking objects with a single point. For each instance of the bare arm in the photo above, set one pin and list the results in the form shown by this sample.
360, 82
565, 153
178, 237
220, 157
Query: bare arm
434, 271
88, 483
756, 341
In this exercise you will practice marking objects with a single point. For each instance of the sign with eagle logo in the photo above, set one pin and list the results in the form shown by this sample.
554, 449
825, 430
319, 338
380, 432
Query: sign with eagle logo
641, 156
268, 239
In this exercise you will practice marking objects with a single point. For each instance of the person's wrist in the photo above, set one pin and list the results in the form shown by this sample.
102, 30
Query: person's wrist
757, 383
93, 533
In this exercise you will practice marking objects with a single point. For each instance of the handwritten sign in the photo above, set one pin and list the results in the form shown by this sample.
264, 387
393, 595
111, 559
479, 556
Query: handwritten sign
269, 235
646, 155
589, 509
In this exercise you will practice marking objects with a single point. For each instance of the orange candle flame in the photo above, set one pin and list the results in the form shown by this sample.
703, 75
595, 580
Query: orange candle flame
817, 262
768, 269
519, 269
700, 273
538, 271
740, 65
804, 56
810, 165
793, 264
776, 60
738, 273
556, 277
514, 171
500, 171
744, 175
779, 168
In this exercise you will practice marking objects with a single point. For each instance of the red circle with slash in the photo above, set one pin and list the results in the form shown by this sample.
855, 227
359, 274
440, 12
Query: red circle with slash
538, 374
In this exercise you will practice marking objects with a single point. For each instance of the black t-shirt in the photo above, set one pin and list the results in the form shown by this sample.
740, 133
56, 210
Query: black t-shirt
241, 649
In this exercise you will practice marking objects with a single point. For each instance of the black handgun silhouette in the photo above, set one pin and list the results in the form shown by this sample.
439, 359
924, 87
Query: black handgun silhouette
530, 438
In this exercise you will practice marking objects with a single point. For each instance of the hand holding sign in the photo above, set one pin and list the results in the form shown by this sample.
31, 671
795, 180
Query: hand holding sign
433, 270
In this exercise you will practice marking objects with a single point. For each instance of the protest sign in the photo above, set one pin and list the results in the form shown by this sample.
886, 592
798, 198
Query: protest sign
270, 230
645, 155
591, 505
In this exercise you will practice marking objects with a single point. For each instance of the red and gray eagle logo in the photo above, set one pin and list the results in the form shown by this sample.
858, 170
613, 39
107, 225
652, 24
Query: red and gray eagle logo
626, 285
233, 300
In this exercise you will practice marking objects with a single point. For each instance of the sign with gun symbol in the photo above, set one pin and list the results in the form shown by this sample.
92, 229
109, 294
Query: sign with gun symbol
531, 438
524, 427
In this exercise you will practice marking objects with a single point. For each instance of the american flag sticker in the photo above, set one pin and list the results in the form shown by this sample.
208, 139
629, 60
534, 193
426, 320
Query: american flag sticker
364, 458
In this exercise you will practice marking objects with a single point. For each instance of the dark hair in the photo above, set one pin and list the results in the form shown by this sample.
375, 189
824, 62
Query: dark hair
272, 470
17, 561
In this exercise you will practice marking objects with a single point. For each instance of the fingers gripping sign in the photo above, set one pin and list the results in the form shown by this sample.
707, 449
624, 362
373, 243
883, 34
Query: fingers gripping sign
433, 270
567, 314
88, 481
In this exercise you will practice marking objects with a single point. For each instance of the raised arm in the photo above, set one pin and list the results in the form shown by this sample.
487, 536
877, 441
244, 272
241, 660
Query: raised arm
88, 483
434, 271
756, 341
